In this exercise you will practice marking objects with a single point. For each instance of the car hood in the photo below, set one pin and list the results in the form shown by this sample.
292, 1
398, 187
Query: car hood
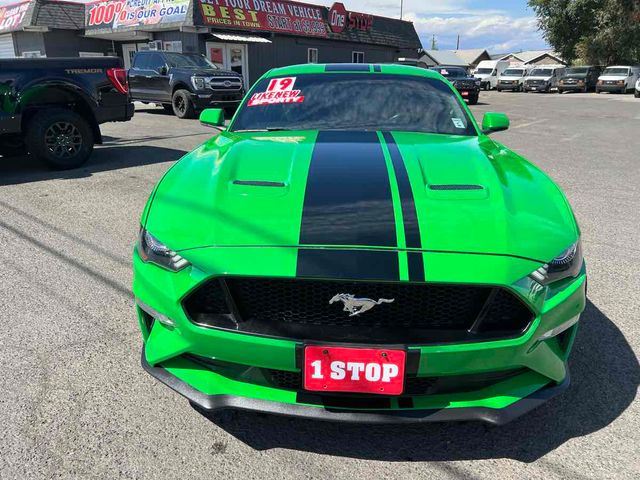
365, 189
612, 77
205, 72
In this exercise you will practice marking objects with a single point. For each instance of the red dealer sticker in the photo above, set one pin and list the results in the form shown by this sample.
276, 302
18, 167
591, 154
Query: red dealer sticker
279, 90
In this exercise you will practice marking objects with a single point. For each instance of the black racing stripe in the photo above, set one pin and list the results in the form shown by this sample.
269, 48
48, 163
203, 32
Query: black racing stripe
347, 67
348, 195
348, 264
377, 68
416, 266
409, 214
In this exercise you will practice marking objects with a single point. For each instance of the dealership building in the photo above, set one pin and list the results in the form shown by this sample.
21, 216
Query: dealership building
248, 36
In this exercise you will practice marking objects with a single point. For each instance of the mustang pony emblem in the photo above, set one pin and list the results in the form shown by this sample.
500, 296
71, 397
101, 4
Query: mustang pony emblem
356, 306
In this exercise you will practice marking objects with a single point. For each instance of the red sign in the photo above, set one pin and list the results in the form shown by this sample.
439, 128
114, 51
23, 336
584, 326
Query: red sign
11, 16
269, 15
279, 90
358, 370
340, 19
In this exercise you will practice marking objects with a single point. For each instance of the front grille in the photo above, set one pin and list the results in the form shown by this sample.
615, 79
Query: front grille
536, 82
300, 309
465, 84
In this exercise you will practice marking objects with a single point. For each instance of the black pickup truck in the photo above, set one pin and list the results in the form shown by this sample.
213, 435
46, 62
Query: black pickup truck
52, 108
467, 85
183, 82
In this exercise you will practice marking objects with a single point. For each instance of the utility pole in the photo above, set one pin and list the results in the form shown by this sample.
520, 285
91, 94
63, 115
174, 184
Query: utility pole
458, 43
401, 8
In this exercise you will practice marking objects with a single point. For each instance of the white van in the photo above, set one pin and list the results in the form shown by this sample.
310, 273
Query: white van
512, 79
618, 78
488, 72
544, 78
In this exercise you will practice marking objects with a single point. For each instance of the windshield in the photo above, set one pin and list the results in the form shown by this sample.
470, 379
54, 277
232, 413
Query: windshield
577, 71
353, 102
513, 72
541, 72
451, 72
484, 71
616, 71
180, 60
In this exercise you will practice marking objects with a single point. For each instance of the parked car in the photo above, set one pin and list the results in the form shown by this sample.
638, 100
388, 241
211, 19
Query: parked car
619, 79
246, 296
636, 92
579, 79
512, 79
489, 71
412, 62
467, 85
543, 78
183, 83
52, 108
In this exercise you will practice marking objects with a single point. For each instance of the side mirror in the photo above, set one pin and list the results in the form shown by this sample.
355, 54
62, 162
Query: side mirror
163, 70
212, 117
494, 122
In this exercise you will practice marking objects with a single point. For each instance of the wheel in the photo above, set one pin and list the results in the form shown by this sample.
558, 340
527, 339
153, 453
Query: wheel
597, 91
636, 94
60, 138
167, 107
182, 105
498, 90
473, 99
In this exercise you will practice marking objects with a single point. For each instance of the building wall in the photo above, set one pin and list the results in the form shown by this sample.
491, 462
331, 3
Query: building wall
191, 43
28, 42
68, 43
286, 50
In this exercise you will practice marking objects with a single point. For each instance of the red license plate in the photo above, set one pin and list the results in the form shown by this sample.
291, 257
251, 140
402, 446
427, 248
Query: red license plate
356, 370
465, 94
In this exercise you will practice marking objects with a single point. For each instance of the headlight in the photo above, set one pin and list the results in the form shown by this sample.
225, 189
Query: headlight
567, 264
620, 82
198, 82
154, 251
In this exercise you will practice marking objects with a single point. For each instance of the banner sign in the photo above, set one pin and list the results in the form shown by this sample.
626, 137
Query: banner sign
116, 14
270, 15
341, 20
11, 16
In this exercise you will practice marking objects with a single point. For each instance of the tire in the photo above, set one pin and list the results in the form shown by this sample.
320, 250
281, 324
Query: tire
60, 138
636, 93
168, 107
597, 91
182, 105
473, 100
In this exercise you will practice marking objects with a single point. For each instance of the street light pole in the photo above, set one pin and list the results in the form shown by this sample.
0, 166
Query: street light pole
401, 8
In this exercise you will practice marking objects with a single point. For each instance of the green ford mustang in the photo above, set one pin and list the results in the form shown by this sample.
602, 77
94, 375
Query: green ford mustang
354, 247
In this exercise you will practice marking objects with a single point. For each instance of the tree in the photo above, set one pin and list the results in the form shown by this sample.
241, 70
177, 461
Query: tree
593, 31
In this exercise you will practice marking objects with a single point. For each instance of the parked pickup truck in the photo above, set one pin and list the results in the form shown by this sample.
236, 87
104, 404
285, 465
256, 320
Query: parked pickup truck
183, 83
467, 85
53, 108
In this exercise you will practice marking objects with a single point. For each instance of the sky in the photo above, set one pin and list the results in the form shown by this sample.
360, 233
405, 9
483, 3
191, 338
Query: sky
500, 26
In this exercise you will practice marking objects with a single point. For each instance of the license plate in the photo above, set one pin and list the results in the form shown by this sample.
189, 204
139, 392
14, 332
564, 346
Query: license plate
465, 94
355, 370
534, 88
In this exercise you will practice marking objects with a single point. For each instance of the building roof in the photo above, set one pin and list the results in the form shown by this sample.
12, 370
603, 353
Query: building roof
529, 56
471, 55
445, 57
384, 31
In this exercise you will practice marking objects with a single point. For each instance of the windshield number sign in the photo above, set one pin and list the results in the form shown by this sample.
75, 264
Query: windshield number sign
279, 90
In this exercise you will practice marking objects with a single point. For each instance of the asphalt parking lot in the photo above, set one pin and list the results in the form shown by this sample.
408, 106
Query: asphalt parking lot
76, 403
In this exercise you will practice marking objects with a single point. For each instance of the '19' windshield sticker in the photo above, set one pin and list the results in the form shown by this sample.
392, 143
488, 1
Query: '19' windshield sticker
458, 123
279, 90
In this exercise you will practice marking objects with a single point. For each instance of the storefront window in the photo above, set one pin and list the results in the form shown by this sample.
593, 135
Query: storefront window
357, 57
312, 55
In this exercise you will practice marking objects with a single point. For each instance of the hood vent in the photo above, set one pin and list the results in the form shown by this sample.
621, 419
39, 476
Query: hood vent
456, 187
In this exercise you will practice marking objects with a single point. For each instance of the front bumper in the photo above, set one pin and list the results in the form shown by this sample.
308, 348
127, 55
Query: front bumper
612, 88
541, 362
217, 99
537, 88
212, 403
508, 86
